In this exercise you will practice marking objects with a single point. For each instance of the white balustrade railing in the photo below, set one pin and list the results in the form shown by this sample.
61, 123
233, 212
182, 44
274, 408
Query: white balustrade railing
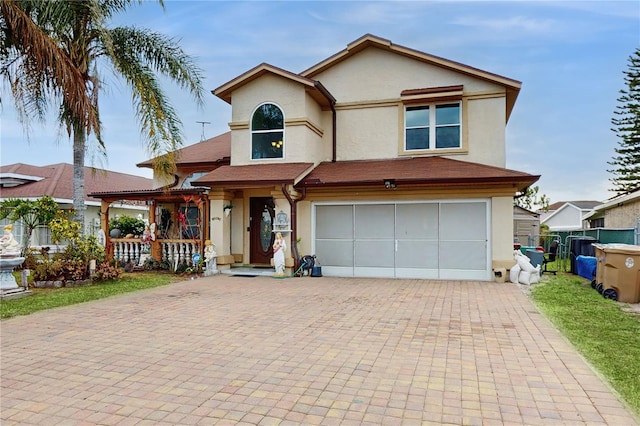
127, 250
175, 252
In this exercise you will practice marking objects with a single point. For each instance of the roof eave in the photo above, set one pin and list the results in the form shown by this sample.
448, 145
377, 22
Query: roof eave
518, 184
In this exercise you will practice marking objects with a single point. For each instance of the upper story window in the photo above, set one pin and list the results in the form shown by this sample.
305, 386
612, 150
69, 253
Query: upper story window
267, 132
432, 127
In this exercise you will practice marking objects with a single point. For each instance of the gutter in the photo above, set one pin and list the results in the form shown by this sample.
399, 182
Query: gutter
332, 105
294, 221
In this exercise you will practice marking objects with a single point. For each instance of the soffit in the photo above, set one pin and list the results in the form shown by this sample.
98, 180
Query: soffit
419, 171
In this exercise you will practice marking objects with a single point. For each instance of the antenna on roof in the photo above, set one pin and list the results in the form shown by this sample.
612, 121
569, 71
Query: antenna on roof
203, 123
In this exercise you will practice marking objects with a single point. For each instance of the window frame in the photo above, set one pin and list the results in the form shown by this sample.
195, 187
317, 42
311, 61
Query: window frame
433, 126
253, 132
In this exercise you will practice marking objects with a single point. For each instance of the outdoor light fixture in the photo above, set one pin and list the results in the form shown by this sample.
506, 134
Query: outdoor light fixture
390, 184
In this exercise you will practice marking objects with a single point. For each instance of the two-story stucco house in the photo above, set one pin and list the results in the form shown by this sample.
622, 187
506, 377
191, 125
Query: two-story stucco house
381, 160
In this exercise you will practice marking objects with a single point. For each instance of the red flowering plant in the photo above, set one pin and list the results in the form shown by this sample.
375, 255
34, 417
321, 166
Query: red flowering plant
191, 227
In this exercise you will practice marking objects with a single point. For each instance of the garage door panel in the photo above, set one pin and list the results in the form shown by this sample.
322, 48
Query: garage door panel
374, 253
463, 255
463, 221
374, 221
334, 222
335, 252
417, 254
417, 221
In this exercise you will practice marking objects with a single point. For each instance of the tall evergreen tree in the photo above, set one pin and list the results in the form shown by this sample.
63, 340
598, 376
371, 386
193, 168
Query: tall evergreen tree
626, 162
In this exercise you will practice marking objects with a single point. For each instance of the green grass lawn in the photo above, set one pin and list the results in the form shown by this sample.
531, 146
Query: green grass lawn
605, 334
52, 298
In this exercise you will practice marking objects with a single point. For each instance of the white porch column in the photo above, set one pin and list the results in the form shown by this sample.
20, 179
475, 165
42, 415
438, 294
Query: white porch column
220, 226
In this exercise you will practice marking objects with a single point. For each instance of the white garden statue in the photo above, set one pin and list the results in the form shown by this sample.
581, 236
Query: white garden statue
279, 247
210, 258
8, 244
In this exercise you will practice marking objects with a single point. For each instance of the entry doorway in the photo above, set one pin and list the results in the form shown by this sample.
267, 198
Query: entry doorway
261, 214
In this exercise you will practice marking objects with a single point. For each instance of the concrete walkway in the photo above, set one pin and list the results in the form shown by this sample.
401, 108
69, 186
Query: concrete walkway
263, 351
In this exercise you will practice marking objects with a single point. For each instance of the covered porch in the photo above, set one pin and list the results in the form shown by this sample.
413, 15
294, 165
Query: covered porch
177, 227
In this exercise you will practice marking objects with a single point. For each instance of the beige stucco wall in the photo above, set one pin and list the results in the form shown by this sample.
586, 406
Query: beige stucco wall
625, 216
485, 125
367, 133
370, 114
370, 117
374, 74
307, 127
502, 232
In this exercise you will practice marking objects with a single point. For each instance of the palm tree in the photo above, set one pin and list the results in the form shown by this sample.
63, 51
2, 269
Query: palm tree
34, 65
137, 55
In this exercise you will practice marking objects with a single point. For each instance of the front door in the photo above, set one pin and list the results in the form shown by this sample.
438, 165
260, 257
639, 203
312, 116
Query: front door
260, 230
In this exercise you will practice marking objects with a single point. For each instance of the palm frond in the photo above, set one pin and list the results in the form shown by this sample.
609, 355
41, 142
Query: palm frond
162, 54
35, 65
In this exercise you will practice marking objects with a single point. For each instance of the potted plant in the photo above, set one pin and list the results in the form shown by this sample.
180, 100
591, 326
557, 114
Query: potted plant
227, 209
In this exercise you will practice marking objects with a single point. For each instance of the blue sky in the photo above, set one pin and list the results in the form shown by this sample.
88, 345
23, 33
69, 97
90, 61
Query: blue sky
568, 55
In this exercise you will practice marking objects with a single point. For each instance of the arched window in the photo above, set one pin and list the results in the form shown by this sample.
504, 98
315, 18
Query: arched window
267, 132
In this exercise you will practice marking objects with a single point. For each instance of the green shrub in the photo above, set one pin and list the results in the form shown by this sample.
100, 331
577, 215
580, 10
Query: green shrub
127, 225
49, 270
107, 271
151, 264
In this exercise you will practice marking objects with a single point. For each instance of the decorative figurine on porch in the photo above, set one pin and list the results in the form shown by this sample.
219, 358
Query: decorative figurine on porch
210, 258
279, 247
8, 244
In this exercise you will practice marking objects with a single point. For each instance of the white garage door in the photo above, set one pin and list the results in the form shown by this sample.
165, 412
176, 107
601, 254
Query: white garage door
445, 239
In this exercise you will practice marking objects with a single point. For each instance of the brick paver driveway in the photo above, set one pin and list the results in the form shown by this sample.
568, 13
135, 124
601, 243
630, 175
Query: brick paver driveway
229, 350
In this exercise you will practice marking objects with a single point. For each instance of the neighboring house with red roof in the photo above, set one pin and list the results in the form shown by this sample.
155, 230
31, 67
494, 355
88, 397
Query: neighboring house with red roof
30, 182
381, 160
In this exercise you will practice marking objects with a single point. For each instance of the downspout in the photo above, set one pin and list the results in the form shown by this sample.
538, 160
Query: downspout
334, 136
332, 105
294, 221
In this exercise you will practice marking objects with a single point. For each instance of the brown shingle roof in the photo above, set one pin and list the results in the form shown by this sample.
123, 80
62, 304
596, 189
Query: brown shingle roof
57, 181
208, 152
422, 170
254, 175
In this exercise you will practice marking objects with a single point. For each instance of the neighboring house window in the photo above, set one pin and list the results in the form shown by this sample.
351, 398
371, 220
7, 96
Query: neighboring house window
432, 127
267, 132
41, 236
193, 176
596, 223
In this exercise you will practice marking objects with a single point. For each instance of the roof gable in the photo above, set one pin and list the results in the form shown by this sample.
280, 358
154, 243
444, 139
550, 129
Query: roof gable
314, 88
581, 207
511, 86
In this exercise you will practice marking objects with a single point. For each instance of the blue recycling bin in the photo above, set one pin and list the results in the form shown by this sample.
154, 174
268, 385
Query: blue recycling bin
586, 266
